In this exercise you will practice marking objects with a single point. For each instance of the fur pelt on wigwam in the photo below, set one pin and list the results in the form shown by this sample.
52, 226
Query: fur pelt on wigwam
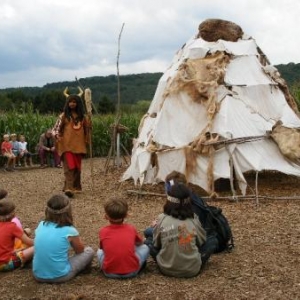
212, 30
288, 141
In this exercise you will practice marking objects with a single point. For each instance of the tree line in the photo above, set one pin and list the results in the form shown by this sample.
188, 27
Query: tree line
136, 90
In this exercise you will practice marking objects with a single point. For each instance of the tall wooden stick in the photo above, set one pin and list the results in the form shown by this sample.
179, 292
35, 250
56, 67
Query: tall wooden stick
115, 134
118, 77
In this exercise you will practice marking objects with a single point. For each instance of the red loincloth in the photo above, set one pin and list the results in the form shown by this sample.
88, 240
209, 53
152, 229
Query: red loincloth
73, 160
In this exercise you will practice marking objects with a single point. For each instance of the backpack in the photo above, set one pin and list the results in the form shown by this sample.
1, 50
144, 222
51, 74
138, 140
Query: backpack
214, 223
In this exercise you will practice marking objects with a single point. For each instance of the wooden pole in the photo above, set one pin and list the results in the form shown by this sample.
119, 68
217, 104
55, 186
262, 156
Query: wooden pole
231, 171
118, 77
230, 198
114, 151
256, 188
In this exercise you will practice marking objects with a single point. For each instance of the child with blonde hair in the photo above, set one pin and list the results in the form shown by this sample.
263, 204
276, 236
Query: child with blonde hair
6, 150
11, 259
15, 148
53, 238
122, 253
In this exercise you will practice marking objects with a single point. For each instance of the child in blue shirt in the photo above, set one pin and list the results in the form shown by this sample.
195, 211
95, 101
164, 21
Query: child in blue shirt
53, 238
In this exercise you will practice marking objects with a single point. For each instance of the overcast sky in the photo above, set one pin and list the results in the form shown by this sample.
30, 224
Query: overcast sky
45, 41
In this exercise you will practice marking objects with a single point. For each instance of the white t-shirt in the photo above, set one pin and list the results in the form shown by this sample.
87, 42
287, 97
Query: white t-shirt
23, 146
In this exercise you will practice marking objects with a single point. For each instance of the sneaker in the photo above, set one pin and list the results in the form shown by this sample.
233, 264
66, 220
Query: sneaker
58, 166
88, 269
27, 265
143, 267
69, 193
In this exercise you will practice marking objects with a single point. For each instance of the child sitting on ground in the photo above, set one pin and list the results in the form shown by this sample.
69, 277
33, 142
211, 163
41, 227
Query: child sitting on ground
212, 243
19, 245
53, 238
11, 259
178, 237
6, 150
122, 253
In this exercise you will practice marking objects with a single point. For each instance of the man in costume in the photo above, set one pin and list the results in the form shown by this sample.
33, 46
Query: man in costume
71, 133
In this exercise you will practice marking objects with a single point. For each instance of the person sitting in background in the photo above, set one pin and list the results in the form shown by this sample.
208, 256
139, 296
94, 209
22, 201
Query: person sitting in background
24, 153
15, 148
6, 150
47, 150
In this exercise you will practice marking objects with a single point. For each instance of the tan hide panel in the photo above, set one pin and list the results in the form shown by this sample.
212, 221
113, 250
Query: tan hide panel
288, 141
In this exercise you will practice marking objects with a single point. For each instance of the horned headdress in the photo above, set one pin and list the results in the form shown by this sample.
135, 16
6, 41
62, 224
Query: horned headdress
87, 98
67, 95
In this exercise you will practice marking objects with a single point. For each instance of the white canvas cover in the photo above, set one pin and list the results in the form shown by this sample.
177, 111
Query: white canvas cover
246, 103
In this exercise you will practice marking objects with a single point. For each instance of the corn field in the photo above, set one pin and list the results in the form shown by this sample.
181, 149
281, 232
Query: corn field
32, 125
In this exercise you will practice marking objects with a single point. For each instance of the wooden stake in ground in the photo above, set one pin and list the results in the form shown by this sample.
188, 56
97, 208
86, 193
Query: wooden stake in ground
88, 107
116, 146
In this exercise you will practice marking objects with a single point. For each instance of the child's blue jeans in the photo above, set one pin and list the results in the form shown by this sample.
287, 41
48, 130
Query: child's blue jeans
142, 252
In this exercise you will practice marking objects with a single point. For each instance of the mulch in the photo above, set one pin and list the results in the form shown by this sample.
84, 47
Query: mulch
263, 265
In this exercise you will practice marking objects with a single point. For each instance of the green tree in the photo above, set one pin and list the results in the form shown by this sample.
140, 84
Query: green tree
18, 98
295, 91
142, 106
5, 103
49, 101
106, 106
